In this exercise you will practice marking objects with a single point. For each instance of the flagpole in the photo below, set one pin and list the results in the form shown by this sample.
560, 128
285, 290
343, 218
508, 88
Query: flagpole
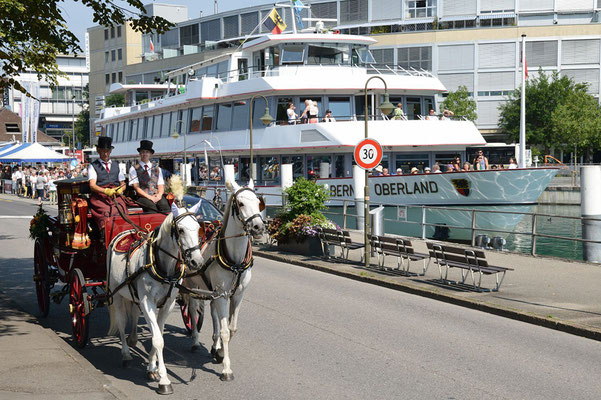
522, 155
292, 15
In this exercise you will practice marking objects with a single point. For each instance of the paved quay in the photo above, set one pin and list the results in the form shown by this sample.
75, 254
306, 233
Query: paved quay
550, 292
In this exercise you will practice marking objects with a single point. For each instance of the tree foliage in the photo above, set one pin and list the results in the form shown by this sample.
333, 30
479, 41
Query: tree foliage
543, 97
576, 122
82, 128
461, 104
114, 100
34, 32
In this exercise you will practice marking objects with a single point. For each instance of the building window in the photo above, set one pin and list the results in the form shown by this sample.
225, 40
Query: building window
118, 31
112, 32
120, 76
107, 78
119, 54
112, 55
421, 9
415, 57
106, 57
106, 34
189, 35
114, 77
353, 11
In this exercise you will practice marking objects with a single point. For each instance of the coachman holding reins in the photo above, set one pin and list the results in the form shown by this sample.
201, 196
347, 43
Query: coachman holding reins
106, 182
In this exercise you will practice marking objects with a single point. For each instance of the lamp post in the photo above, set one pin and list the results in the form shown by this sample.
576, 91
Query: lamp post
386, 108
68, 139
176, 135
266, 119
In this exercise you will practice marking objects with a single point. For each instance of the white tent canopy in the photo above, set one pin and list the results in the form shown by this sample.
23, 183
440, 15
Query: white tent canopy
31, 152
8, 147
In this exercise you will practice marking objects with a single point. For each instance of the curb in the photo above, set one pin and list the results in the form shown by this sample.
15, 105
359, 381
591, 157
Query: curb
561, 326
80, 360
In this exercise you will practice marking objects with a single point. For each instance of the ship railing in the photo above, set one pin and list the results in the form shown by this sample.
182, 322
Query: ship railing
530, 224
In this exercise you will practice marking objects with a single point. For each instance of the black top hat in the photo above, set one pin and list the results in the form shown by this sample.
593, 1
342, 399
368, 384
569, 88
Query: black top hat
145, 145
105, 142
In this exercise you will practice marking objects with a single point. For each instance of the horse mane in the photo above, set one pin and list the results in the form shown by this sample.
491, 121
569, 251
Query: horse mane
176, 186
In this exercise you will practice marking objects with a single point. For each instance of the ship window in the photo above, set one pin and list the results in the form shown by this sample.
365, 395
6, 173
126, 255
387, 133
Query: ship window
207, 118
240, 113
258, 111
293, 54
328, 54
270, 168
317, 99
281, 116
340, 107
409, 160
414, 107
314, 163
166, 125
156, 130
133, 130
180, 122
362, 55
297, 162
224, 117
147, 128
195, 120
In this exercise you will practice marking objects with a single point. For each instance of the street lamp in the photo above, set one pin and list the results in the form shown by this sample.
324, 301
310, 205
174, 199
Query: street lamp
386, 108
176, 135
68, 139
266, 119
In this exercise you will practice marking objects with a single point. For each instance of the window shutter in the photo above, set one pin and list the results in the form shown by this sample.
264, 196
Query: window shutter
543, 54
580, 52
459, 7
496, 55
535, 5
453, 81
383, 56
496, 81
496, 5
210, 30
488, 113
590, 76
453, 58
385, 10
230, 27
248, 22
574, 5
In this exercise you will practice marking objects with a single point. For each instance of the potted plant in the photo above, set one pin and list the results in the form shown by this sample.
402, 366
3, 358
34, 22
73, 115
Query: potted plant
296, 227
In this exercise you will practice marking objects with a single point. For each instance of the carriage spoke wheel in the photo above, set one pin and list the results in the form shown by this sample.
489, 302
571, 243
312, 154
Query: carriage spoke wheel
41, 278
79, 308
187, 317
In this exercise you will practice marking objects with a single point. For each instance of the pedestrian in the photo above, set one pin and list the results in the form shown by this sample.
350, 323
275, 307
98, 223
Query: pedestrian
39, 181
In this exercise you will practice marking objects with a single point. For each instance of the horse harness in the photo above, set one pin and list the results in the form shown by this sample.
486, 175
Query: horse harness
152, 258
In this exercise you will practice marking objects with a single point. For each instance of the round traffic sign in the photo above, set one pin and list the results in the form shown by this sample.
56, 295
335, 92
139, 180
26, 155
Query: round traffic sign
368, 154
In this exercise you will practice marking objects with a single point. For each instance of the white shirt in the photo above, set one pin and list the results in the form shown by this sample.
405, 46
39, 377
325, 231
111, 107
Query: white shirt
512, 166
39, 182
133, 175
92, 172
291, 116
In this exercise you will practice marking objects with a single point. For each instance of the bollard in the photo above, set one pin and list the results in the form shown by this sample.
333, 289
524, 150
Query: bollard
358, 184
286, 180
324, 170
590, 190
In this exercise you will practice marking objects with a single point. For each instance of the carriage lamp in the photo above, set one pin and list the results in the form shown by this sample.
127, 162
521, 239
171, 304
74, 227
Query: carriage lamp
65, 215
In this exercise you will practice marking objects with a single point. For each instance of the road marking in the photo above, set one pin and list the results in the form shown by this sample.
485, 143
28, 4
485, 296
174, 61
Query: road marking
15, 217
8, 201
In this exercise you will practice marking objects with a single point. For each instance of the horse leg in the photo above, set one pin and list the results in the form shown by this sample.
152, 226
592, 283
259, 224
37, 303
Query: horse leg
132, 339
222, 313
193, 307
118, 316
236, 302
150, 313
216, 349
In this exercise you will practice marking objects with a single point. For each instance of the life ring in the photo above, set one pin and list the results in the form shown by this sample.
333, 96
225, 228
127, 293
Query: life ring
337, 32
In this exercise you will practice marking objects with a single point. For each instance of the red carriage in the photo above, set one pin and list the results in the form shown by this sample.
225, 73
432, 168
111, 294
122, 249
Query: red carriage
69, 249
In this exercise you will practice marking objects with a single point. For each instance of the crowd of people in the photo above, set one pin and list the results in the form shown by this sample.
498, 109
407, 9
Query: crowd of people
480, 162
37, 182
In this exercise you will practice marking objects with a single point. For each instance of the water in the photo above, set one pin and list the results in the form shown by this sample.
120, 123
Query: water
461, 222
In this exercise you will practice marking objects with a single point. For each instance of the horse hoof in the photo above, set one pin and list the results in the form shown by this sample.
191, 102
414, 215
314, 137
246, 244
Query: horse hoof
227, 377
153, 376
216, 356
195, 348
165, 389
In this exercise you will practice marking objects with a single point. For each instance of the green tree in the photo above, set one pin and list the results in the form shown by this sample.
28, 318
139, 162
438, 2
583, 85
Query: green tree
576, 122
82, 128
543, 95
34, 32
461, 104
115, 99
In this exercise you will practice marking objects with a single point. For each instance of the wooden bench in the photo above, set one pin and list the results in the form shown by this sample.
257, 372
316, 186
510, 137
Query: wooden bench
468, 260
340, 238
400, 248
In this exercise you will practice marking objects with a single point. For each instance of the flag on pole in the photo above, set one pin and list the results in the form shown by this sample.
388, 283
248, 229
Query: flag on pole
151, 46
298, 7
274, 22
524, 65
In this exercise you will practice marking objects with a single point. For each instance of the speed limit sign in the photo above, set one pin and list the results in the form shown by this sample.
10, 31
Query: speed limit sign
368, 154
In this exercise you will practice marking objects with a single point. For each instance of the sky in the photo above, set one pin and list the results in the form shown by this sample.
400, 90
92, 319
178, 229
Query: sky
79, 17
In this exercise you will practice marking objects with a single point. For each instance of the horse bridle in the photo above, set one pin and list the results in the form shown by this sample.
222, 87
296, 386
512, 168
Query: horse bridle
186, 254
236, 207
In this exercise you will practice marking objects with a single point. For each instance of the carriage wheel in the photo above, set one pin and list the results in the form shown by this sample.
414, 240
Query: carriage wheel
79, 308
41, 278
187, 317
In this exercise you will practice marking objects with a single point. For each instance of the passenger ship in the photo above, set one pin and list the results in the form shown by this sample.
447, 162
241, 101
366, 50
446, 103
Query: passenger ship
210, 109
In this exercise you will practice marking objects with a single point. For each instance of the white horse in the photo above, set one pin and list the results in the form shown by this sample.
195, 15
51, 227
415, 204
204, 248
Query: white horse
149, 279
227, 271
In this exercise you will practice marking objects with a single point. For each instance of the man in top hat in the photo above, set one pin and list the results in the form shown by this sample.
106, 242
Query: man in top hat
147, 181
106, 181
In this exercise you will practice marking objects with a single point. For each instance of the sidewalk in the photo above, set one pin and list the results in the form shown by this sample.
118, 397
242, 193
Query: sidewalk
37, 364
550, 292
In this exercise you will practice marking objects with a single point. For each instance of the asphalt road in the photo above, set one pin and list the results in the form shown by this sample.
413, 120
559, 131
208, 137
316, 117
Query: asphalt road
308, 335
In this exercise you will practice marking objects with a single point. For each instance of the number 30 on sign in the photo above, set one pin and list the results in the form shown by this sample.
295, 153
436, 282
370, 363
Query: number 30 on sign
368, 154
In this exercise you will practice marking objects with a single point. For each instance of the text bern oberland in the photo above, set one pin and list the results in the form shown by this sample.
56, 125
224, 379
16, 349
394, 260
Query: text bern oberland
388, 189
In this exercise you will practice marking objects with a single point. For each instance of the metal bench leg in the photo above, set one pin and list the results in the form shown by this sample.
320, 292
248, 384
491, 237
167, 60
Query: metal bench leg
426, 266
501, 281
